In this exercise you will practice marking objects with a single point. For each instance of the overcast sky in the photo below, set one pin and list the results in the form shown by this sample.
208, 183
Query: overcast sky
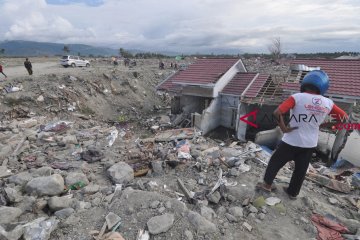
187, 25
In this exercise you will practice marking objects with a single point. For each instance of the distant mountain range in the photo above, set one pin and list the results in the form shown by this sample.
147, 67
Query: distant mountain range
29, 48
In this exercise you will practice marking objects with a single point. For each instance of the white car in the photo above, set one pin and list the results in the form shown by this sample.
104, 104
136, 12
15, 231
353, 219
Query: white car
74, 61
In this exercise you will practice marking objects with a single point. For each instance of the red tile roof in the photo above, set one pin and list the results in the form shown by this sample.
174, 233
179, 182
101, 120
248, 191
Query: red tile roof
238, 84
203, 71
256, 86
344, 75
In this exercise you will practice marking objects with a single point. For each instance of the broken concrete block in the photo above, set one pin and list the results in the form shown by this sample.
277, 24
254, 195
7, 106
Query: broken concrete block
160, 224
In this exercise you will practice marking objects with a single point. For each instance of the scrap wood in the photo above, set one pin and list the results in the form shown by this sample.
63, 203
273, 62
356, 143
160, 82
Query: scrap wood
141, 172
189, 195
329, 183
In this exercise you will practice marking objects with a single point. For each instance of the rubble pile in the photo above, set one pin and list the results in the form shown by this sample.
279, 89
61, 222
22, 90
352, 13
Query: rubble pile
74, 176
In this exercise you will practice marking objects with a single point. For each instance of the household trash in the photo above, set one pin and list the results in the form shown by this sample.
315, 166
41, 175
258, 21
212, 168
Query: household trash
76, 186
329, 183
244, 168
92, 155
11, 89
112, 137
271, 201
328, 229
183, 149
59, 126
143, 235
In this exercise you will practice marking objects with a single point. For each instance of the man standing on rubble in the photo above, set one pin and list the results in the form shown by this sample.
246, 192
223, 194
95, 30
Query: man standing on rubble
308, 110
28, 66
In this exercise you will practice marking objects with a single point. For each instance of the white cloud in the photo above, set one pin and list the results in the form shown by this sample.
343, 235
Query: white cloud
189, 25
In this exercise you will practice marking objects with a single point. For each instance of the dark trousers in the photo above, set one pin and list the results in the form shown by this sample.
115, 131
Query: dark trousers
29, 70
283, 154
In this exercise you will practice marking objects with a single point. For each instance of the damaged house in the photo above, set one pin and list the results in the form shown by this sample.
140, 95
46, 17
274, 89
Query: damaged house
218, 92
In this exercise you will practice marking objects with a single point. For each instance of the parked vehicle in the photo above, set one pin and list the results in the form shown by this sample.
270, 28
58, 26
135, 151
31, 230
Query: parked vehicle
74, 61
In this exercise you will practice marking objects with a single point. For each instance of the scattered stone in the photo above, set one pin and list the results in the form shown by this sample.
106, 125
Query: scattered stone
13, 195
91, 189
21, 178
201, 224
263, 210
247, 226
309, 203
160, 224
58, 203
168, 204
221, 211
234, 172
271, 201
161, 210
236, 212
76, 177
40, 229
246, 202
231, 198
42, 172
4, 172
261, 216
92, 155
157, 168
70, 139
9, 214
304, 220
214, 197
253, 209
188, 235
121, 173
231, 218
52, 185
64, 213
207, 213
112, 219
154, 204
333, 201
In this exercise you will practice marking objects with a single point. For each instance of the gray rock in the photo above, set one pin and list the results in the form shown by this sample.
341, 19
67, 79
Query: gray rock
236, 212
4, 172
52, 185
112, 219
154, 204
9, 214
76, 177
121, 173
168, 204
207, 213
160, 224
27, 204
201, 224
70, 139
214, 198
40, 229
231, 198
231, 218
333, 201
253, 209
58, 203
42, 172
91, 189
188, 235
234, 172
64, 213
157, 168
261, 216
13, 195
221, 211
304, 220
20, 178
246, 202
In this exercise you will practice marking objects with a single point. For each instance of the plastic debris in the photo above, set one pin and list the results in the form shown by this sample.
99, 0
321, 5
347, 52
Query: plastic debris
56, 127
271, 201
77, 186
112, 137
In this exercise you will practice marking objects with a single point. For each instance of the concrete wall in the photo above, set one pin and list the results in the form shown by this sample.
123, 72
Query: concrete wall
210, 117
226, 78
229, 106
200, 91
